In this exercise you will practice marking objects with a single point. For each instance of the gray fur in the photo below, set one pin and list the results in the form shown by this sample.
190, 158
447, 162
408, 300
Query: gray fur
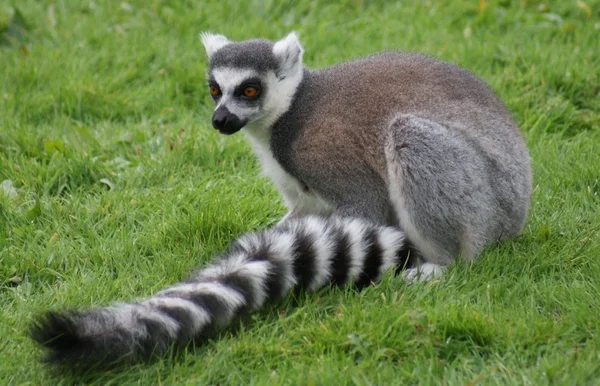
399, 139
257, 56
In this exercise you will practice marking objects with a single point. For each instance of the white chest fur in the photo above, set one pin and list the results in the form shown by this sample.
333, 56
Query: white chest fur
299, 198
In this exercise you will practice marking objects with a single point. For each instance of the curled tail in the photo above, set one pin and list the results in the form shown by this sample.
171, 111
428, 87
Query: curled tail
307, 253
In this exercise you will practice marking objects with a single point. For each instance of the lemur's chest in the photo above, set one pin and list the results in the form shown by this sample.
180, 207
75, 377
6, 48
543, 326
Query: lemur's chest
298, 196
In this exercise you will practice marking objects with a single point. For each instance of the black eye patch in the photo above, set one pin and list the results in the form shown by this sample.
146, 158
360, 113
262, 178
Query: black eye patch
250, 82
215, 89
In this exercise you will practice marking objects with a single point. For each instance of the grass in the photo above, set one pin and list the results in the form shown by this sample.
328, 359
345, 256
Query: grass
115, 185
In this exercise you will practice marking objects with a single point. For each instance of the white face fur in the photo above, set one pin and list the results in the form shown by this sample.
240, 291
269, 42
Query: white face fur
256, 99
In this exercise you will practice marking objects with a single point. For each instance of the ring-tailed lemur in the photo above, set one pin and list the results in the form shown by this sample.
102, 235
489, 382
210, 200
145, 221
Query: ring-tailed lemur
384, 150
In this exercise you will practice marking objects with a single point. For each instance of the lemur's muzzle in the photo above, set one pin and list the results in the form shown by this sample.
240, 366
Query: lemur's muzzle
226, 122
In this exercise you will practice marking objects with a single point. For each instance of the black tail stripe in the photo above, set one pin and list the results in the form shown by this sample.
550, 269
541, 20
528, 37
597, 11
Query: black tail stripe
211, 303
373, 259
156, 339
184, 319
406, 257
241, 284
275, 284
413, 257
304, 260
340, 264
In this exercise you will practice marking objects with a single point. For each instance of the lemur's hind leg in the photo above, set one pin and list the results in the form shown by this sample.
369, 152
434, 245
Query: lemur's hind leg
439, 189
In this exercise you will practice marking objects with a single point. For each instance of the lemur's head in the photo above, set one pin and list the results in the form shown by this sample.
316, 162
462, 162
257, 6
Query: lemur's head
252, 82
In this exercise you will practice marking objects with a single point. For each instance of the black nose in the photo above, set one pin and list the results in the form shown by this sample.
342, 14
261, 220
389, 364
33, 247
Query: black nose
220, 117
226, 122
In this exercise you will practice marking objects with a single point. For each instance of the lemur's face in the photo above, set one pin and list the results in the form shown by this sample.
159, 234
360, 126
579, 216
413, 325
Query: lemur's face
251, 82
239, 95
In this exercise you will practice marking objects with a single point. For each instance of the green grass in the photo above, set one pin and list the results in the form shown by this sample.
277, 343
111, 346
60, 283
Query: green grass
122, 187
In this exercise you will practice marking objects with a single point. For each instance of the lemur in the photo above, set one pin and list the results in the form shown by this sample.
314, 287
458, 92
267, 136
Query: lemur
392, 160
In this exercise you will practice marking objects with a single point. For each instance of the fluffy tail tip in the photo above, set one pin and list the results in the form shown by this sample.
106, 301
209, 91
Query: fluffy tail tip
57, 332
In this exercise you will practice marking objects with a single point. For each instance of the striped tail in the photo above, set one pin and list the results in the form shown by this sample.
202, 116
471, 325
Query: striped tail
307, 253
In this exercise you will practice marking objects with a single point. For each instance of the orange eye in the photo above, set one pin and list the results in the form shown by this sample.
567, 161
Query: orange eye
250, 92
214, 91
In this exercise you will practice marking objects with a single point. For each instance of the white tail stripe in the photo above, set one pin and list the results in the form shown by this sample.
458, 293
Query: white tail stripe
223, 267
391, 241
323, 249
257, 271
356, 231
249, 242
281, 248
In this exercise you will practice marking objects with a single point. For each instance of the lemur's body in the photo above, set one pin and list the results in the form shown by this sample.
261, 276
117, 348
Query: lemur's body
398, 139
394, 140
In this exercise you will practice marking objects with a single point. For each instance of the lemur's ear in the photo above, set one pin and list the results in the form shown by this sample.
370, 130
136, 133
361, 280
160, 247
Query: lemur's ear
288, 52
213, 42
